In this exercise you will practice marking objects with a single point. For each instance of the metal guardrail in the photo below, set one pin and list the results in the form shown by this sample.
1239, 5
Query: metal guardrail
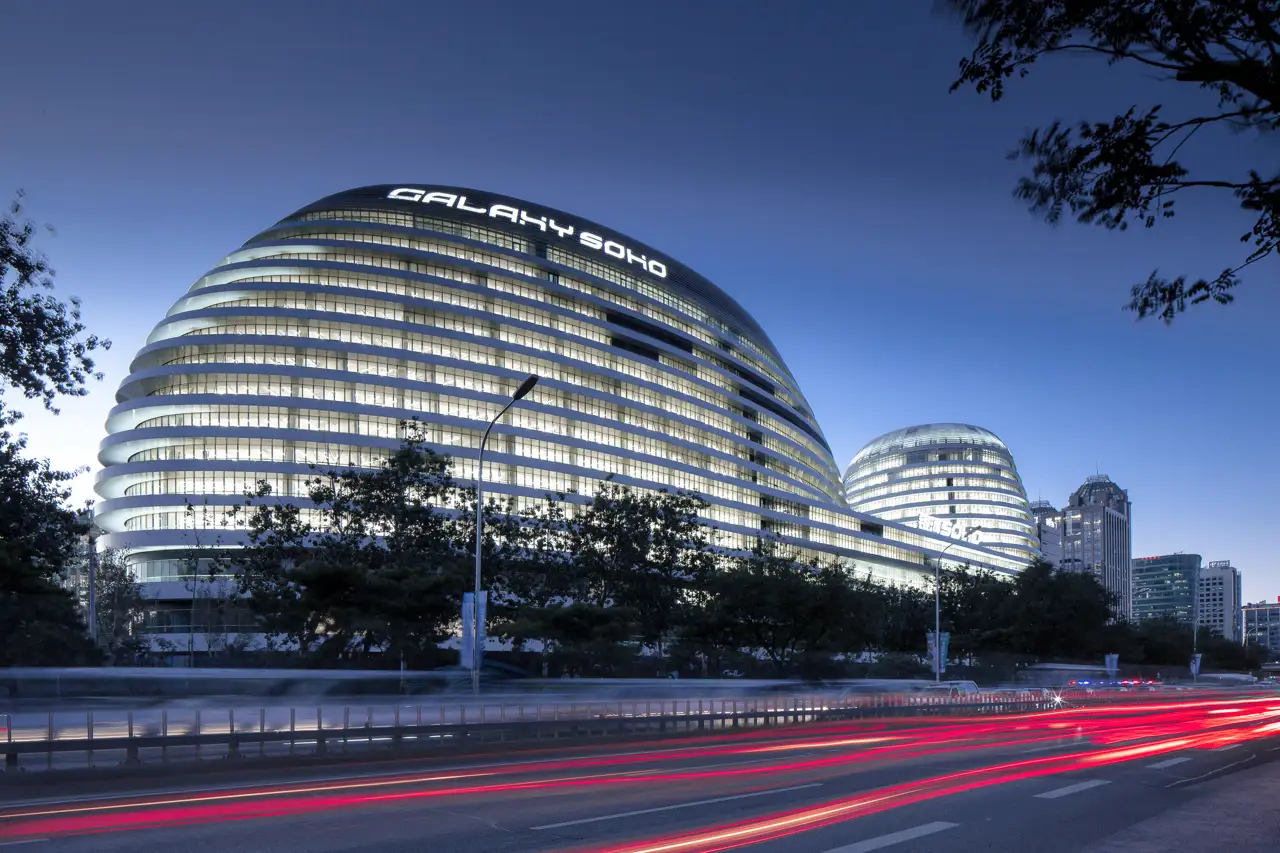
229, 731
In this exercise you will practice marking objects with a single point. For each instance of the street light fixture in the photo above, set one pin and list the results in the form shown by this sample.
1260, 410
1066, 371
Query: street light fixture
477, 630
937, 603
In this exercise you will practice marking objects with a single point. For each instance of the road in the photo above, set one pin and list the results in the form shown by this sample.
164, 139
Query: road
1109, 779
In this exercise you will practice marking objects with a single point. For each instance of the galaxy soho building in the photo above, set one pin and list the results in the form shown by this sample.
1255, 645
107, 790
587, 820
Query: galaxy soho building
312, 341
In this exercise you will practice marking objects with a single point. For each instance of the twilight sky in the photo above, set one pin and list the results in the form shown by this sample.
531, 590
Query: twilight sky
805, 156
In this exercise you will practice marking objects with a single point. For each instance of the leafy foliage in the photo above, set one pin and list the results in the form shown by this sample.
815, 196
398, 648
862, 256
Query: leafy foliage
629, 583
40, 623
42, 352
42, 355
378, 571
642, 550
120, 609
1124, 169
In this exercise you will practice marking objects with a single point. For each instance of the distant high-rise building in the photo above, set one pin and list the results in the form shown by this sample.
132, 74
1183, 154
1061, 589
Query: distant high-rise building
1049, 524
1096, 539
1165, 587
1262, 625
1218, 599
84, 554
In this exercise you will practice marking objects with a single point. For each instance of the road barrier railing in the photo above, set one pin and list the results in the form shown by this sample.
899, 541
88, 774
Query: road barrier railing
236, 732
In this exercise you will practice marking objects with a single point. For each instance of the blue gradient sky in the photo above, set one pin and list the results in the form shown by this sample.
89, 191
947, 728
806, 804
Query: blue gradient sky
804, 156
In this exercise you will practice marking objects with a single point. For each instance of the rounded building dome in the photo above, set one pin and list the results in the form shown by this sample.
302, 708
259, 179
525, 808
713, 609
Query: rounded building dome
926, 434
951, 477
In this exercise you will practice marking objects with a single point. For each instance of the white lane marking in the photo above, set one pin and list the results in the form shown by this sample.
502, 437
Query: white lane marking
895, 838
1228, 747
23, 841
676, 806
1213, 772
1168, 762
1072, 789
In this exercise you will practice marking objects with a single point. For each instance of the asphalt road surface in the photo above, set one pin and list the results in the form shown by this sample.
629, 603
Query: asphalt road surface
1188, 774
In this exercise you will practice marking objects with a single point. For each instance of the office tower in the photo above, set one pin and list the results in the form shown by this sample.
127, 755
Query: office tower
1165, 587
1218, 599
1096, 537
1049, 528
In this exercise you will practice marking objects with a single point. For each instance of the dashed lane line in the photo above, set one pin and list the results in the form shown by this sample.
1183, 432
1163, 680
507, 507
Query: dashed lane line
688, 805
1169, 762
883, 841
1073, 789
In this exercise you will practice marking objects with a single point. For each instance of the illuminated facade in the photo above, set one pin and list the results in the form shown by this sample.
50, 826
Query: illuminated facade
1218, 599
308, 344
1096, 538
1261, 622
1165, 587
955, 479
1049, 527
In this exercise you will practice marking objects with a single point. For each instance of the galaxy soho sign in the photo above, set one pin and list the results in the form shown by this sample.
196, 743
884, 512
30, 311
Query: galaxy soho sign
612, 248
950, 529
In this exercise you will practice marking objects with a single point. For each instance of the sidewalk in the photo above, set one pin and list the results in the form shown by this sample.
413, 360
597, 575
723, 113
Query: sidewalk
1239, 812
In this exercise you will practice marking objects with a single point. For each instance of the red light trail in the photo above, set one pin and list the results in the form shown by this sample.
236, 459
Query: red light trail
1124, 732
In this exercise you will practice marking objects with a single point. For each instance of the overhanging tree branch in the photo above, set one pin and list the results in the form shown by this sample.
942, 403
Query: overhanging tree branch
1111, 172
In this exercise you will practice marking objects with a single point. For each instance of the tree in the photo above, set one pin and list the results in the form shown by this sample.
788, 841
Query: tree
375, 571
644, 551
43, 354
1123, 169
119, 609
40, 622
907, 616
760, 602
974, 603
580, 637
1054, 614
1163, 642
794, 613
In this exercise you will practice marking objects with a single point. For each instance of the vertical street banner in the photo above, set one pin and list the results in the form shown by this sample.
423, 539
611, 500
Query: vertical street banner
1113, 665
482, 637
465, 654
937, 662
1195, 665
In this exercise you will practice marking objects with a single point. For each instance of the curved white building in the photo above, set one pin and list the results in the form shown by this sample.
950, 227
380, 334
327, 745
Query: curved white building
950, 478
309, 343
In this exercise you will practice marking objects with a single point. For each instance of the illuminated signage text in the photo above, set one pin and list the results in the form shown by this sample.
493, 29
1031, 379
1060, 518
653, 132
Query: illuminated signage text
948, 528
546, 225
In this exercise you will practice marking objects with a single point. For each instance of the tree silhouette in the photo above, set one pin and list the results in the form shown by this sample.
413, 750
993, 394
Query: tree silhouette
1124, 169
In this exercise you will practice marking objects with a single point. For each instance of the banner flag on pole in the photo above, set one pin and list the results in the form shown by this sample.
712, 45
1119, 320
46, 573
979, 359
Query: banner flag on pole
937, 663
482, 636
465, 654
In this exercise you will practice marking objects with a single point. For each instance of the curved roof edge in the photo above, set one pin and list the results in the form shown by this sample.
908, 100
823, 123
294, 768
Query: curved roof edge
928, 434
678, 275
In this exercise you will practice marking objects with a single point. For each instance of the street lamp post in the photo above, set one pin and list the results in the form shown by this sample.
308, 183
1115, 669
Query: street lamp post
937, 604
477, 630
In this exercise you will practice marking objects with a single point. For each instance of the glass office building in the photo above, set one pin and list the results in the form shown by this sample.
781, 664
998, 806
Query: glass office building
1261, 622
1097, 538
1165, 587
312, 341
953, 478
